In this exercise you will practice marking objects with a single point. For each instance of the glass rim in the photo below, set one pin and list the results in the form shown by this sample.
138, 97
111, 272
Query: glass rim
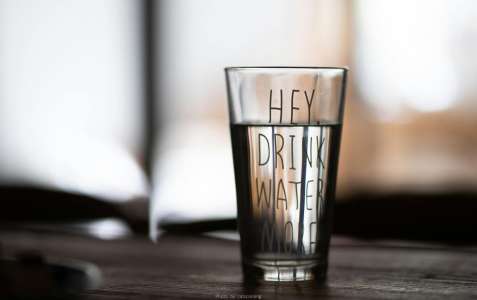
246, 68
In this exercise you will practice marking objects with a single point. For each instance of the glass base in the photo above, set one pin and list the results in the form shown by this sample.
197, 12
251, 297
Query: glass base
284, 271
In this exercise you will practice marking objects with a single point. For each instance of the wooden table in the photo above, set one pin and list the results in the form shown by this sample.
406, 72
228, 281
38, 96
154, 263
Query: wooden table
196, 267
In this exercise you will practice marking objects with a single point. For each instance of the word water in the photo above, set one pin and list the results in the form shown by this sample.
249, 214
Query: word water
285, 180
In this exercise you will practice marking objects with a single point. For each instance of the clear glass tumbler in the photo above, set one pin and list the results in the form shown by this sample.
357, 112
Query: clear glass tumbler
285, 125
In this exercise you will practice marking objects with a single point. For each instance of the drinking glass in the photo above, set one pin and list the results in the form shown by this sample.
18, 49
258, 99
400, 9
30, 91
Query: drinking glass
285, 125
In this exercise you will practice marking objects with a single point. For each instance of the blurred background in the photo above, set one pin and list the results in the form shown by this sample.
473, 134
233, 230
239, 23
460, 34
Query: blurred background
108, 107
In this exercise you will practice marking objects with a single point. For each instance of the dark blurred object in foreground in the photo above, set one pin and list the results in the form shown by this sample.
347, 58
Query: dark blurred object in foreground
31, 276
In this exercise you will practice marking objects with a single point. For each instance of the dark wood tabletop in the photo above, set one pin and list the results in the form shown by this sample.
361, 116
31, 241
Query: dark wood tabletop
199, 267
